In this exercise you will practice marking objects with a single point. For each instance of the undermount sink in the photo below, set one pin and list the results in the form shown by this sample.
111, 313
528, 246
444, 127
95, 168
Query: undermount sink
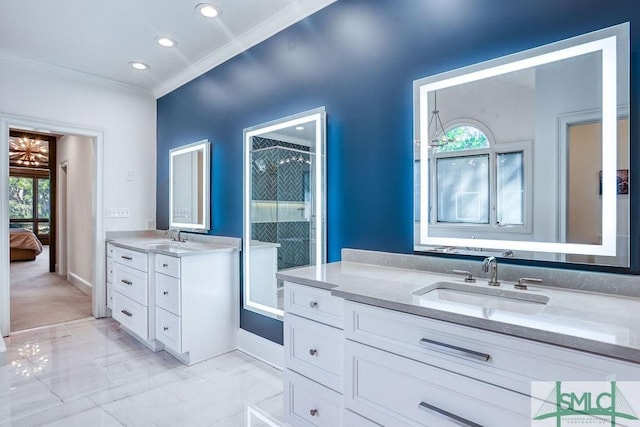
175, 247
457, 297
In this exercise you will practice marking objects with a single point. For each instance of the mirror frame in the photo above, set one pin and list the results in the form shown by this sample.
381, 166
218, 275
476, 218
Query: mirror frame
319, 116
604, 41
205, 146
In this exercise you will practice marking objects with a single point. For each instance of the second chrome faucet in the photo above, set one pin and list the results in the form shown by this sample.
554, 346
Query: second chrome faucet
490, 265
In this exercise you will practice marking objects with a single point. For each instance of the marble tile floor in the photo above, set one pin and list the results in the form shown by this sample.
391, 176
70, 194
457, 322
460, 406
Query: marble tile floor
90, 372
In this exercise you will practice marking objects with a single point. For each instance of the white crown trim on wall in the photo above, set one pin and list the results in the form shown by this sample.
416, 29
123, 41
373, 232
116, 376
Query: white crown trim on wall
70, 74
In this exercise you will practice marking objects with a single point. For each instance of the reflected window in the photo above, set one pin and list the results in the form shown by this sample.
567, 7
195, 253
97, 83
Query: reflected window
475, 178
464, 137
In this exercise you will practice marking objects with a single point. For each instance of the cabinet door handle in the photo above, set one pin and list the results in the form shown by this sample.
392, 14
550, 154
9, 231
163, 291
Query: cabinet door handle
454, 351
313, 304
128, 258
165, 265
127, 282
313, 412
165, 328
313, 351
455, 418
126, 313
165, 292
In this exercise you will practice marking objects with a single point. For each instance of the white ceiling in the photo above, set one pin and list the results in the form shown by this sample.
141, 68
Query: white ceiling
95, 40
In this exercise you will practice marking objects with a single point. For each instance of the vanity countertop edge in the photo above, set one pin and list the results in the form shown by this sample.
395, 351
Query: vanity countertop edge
149, 246
602, 324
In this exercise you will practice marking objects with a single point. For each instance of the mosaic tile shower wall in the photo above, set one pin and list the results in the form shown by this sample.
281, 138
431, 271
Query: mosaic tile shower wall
280, 174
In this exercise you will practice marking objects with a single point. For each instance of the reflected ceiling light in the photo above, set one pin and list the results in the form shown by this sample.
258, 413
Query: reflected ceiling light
139, 65
299, 127
439, 136
208, 10
165, 41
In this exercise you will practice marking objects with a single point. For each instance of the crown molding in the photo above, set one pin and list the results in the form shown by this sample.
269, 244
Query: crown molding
288, 16
69, 74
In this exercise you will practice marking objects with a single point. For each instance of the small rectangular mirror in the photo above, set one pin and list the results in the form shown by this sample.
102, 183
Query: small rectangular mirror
189, 172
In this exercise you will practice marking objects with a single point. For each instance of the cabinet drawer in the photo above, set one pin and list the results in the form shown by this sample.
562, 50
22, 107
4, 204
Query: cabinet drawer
314, 350
131, 315
499, 359
169, 330
169, 265
131, 283
110, 270
394, 390
314, 303
168, 293
351, 419
307, 403
131, 258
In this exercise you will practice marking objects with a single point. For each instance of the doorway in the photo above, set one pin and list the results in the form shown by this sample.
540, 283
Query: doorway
95, 229
584, 202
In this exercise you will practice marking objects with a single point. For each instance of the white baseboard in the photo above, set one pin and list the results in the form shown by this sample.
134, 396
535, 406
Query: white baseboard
261, 349
80, 283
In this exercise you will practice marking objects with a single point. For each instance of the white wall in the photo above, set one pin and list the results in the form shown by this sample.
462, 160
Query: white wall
127, 118
78, 154
123, 122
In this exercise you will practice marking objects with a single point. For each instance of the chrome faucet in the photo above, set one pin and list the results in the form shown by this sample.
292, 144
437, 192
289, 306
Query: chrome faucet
174, 234
490, 265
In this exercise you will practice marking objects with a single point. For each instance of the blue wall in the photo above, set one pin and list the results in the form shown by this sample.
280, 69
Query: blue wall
358, 58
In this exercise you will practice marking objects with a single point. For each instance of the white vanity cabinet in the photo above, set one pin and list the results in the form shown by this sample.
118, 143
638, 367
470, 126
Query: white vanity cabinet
196, 299
404, 369
130, 292
314, 356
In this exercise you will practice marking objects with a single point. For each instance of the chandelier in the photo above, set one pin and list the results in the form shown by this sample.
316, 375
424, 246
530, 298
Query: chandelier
28, 152
439, 136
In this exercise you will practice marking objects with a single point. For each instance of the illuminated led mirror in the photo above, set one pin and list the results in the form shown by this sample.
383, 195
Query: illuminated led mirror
189, 172
284, 205
526, 156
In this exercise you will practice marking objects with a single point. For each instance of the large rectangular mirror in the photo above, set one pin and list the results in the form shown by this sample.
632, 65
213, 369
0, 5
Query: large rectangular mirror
284, 205
526, 156
189, 172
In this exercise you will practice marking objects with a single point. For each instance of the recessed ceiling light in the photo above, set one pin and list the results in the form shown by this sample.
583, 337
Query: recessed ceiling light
208, 10
165, 41
299, 127
138, 65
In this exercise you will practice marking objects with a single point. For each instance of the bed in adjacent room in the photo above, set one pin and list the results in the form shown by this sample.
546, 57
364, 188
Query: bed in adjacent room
23, 245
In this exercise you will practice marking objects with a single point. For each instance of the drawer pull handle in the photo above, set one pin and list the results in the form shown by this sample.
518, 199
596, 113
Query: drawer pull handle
165, 292
126, 313
313, 352
128, 258
454, 351
165, 265
127, 282
455, 418
165, 328
313, 412
313, 304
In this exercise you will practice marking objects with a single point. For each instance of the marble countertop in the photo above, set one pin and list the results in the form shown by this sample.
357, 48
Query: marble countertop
170, 247
598, 323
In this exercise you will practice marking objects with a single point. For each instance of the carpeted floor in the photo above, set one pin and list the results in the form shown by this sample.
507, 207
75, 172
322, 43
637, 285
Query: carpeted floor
40, 298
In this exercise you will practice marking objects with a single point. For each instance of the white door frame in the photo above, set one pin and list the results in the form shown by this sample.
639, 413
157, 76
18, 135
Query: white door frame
7, 121
62, 230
